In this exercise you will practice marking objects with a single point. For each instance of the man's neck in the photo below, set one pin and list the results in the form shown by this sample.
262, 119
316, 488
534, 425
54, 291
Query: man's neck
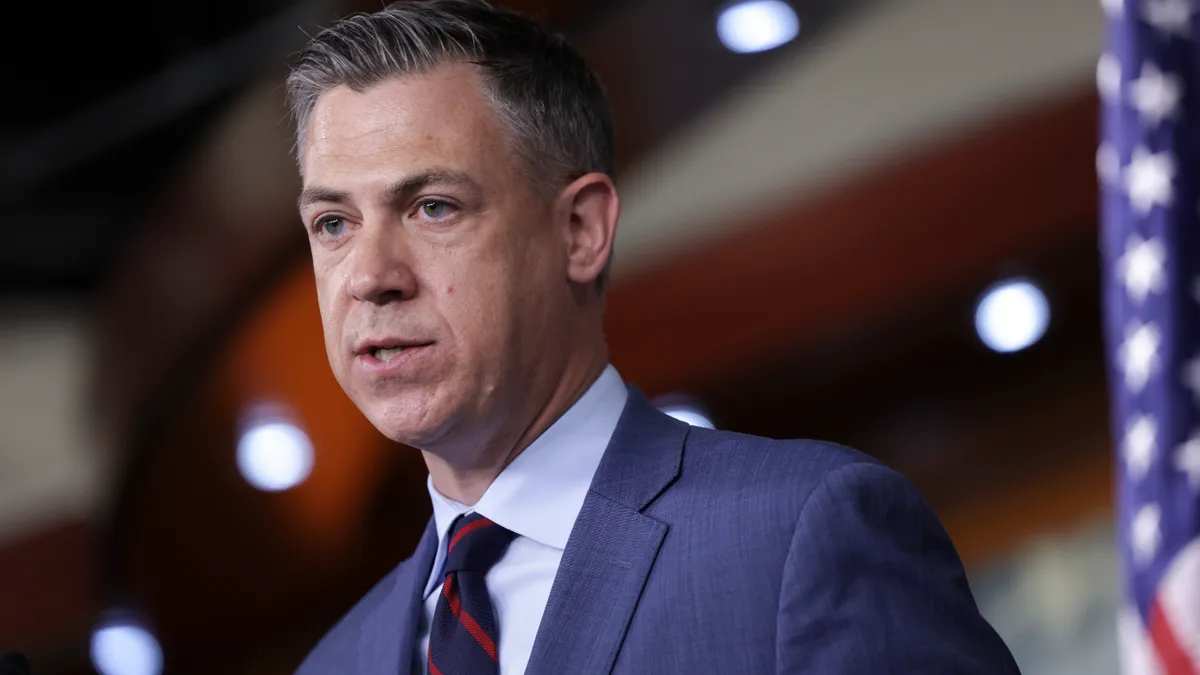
466, 484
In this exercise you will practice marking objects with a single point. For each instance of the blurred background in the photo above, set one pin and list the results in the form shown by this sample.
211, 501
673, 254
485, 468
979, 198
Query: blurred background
868, 221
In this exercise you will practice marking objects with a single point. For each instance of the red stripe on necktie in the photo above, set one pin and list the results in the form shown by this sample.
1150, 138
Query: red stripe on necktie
469, 527
479, 634
468, 622
433, 670
451, 596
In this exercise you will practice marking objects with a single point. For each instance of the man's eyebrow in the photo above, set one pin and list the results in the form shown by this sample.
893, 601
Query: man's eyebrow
405, 188
318, 193
401, 190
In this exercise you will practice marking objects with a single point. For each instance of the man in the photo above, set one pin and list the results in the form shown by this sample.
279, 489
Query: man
457, 165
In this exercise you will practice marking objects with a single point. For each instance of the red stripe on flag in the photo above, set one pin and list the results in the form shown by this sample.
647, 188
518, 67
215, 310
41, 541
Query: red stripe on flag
1174, 660
469, 527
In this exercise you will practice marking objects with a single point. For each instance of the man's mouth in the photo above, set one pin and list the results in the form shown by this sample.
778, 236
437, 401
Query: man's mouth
385, 351
386, 354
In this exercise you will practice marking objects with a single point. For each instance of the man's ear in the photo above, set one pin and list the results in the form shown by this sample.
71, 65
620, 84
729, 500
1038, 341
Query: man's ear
590, 206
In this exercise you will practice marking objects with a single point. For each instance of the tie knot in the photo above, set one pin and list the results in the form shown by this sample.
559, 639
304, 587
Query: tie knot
476, 544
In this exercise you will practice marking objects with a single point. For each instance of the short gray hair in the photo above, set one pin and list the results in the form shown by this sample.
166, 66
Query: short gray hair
540, 87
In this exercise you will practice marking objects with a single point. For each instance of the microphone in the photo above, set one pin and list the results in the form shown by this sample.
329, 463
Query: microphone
12, 663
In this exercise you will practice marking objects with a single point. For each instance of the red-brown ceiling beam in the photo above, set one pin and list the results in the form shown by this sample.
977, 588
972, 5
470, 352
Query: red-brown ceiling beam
909, 230
46, 586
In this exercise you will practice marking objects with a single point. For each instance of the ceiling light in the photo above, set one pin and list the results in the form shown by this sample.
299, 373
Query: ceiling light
123, 648
1012, 315
690, 414
750, 26
274, 454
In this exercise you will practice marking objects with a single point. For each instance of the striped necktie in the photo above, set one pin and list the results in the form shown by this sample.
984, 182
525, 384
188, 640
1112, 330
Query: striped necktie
463, 638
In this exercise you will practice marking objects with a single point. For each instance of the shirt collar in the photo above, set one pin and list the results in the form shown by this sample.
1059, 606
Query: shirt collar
539, 495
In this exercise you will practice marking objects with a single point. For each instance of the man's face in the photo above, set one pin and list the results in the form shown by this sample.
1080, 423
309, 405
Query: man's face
441, 275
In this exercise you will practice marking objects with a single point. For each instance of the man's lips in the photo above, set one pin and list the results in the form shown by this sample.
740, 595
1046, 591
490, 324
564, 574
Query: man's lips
370, 347
389, 356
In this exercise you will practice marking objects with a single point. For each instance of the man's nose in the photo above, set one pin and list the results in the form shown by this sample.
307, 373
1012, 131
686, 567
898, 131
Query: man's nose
381, 271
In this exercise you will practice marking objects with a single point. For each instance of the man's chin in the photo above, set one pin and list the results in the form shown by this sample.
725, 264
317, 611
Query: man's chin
421, 416
417, 428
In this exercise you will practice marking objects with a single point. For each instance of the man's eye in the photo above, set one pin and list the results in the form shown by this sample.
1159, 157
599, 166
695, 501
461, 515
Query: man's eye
435, 208
331, 227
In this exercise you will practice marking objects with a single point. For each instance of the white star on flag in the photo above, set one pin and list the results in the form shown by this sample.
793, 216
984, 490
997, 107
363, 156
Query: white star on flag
1169, 16
1138, 354
1140, 268
1187, 459
1146, 534
1139, 445
1108, 78
1151, 309
1191, 377
1108, 164
1148, 179
1155, 95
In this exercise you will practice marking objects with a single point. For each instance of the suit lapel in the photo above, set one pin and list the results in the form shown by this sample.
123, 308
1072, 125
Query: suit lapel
612, 547
388, 640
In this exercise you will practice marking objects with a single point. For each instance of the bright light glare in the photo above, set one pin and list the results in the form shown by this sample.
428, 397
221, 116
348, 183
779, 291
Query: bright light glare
690, 415
125, 649
1012, 315
757, 25
274, 455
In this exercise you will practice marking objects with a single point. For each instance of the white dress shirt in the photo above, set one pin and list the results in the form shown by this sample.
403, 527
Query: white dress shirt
538, 496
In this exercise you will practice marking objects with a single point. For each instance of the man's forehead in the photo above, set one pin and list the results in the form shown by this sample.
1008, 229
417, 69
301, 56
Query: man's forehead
436, 111
343, 119
442, 94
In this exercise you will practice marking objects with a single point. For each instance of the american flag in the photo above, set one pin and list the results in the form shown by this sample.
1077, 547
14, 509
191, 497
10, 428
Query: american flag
1148, 161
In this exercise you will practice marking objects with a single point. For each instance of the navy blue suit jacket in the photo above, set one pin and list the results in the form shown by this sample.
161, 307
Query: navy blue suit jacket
702, 551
